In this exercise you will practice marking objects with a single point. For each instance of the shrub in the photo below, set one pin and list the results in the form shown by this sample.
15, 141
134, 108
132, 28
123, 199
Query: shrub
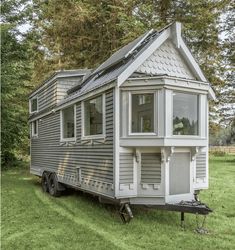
217, 153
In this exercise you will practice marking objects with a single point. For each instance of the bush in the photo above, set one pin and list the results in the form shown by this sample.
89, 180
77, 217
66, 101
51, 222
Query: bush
217, 153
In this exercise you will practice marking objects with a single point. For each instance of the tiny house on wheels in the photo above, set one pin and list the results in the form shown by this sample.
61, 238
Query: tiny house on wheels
133, 131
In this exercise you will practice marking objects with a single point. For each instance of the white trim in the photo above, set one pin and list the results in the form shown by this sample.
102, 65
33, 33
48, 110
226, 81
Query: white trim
212, 94
176, 33
70, 139
116, 140
164, 78
191, 61
143, 56
30, 105
97, 136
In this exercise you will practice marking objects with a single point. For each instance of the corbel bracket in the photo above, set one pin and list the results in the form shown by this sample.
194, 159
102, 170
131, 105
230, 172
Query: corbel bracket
166, 153
194, 152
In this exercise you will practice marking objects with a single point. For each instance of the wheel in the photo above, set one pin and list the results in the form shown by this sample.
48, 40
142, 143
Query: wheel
54, 185
44, 182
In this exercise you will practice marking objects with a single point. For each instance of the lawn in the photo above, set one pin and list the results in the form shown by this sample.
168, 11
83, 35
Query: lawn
34, 220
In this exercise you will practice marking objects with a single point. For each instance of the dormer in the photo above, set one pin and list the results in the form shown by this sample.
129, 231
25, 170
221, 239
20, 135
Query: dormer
54, 89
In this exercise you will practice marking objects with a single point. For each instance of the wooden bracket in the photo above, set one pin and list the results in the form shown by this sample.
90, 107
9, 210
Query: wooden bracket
194, 152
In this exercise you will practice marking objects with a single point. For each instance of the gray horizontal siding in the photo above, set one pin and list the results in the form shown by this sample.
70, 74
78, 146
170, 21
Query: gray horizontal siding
95, 161
126, 168
150, 168
52, 94
201, 165
47, 97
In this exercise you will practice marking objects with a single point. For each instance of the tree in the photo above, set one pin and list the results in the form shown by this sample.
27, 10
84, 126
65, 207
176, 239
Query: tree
80, 34
15, 79
227, 92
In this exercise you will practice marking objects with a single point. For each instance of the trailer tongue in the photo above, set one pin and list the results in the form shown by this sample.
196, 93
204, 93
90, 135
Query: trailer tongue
194, 207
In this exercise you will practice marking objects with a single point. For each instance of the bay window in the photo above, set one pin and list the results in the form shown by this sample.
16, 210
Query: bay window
185, 114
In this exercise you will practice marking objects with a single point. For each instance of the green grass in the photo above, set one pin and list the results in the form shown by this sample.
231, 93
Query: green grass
34, 220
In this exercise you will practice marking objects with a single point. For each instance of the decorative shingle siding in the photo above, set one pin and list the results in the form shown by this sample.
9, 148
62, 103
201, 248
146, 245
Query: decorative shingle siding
150, 168
166, 60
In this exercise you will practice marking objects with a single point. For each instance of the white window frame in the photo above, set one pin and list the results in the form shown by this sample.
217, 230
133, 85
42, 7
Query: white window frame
30, 105
33, 134
155, 113
72, 139
198, 113
99, 136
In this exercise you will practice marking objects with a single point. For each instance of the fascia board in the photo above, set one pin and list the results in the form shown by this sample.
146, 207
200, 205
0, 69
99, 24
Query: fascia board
191, 61
212, 94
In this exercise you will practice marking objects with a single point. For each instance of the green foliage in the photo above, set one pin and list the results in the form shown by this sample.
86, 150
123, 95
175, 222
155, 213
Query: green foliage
78, 221
82, 34
221, 136
15, 80
217, 153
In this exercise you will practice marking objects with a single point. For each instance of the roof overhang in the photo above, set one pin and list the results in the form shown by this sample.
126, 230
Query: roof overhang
174, 32
211, 94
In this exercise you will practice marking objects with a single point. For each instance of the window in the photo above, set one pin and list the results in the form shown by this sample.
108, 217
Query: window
142, 113
94, 116
34, 105
185, 114
35, 128
68, 123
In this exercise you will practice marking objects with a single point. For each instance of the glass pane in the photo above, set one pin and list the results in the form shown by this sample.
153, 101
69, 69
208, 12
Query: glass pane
185, 114
142, 113
93, 116
34, 104
34, 128
68, 122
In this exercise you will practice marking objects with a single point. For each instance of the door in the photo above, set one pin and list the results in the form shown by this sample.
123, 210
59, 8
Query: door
179, 176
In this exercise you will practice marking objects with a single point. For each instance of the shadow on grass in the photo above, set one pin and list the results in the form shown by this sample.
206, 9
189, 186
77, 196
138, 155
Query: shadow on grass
141, 214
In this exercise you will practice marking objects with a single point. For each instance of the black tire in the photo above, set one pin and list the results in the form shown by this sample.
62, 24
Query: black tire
44, 182
53, 185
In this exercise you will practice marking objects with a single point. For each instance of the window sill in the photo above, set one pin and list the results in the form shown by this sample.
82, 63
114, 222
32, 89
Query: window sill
93, 137
93, 140
143, 134
68, 140
187, 137
34, 137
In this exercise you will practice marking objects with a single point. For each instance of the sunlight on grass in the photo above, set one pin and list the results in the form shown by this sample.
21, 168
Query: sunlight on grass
34, 220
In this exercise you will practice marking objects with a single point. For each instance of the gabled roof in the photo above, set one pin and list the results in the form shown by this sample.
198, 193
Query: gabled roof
115, 64
123, 63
